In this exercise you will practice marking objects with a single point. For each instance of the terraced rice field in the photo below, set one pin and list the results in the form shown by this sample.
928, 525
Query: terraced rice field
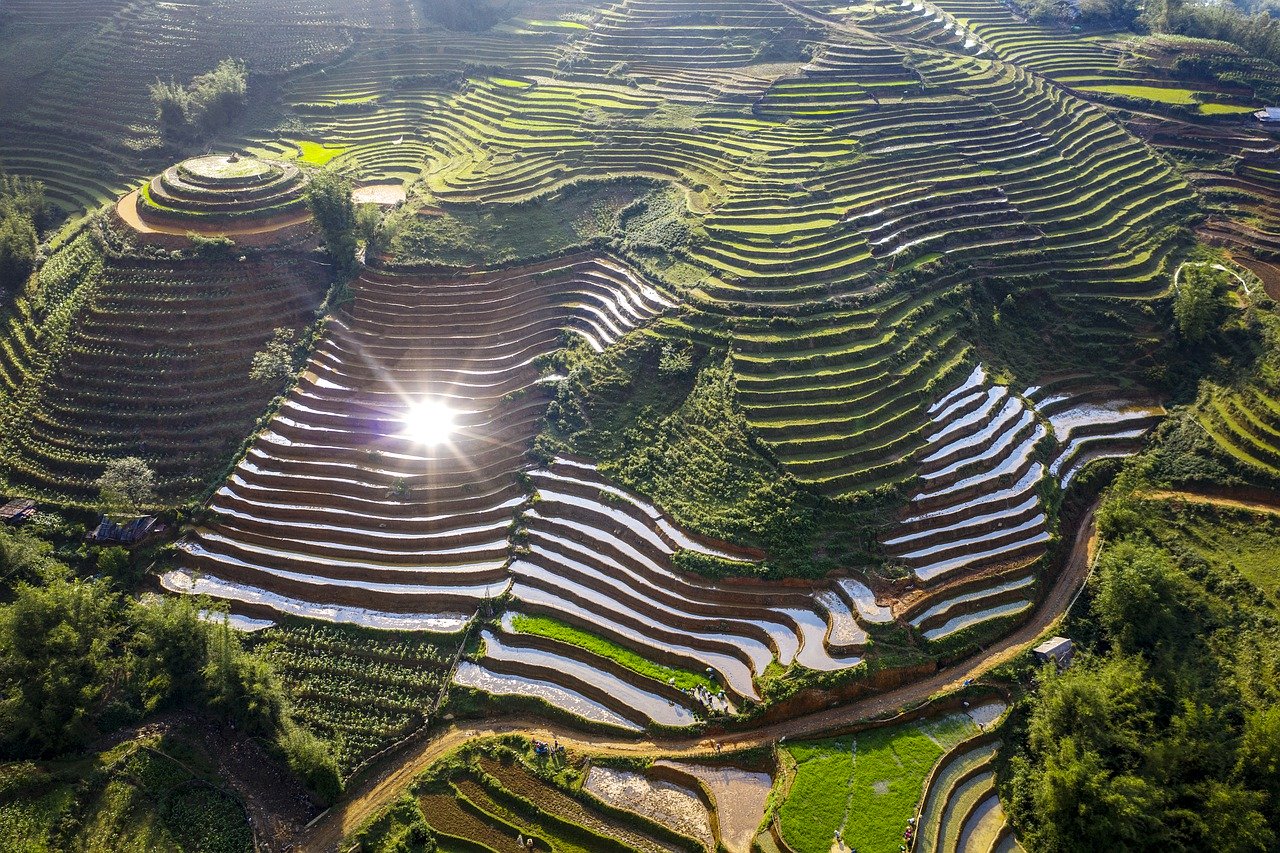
848, 179
864, 788
961, 812
337, 512
980, 511
843, 179
111, 356
98, 59
490, 803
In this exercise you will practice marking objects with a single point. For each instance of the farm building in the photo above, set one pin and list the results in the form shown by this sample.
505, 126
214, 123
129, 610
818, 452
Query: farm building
1268, 115
109, 532
17, 511
1060, 650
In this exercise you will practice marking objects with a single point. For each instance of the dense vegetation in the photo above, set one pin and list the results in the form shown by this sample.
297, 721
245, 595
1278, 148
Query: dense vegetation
1164, 735
78, 659
23, 213
671, 428
154, 792
328, 196
196, 110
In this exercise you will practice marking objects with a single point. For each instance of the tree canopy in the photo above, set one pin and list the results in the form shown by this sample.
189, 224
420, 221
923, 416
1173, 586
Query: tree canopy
23, 212
328, 196
208, 103
1164, 734
127, 484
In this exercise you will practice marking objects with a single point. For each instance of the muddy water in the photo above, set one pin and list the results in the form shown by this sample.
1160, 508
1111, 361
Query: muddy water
740, 798
470, 675
662, 802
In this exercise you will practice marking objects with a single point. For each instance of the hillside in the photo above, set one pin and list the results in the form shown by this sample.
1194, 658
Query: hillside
644, 369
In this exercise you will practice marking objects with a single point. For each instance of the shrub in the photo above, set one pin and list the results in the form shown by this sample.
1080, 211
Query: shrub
127, 484
313, 761
328, 196
275, 361
210, 102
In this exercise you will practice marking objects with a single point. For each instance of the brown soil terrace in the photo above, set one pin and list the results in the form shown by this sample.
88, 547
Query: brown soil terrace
127, 210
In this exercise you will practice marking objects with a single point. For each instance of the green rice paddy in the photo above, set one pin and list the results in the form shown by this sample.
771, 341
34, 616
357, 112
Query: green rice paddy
866, 787
554, 629
1158, 94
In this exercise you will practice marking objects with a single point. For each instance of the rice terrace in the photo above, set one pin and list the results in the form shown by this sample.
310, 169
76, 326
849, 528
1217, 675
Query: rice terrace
639, 426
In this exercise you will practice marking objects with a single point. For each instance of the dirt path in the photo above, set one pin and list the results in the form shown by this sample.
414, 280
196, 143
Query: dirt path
1214, 500
372, 795
127, 209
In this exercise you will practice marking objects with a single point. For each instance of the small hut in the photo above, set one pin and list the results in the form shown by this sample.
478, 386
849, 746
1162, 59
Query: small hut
128, 534
1059, 650
17, 511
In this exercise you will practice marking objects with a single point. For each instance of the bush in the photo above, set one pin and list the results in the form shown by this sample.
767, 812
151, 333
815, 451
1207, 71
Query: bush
312, 760
328, 196
210, 102
276, 361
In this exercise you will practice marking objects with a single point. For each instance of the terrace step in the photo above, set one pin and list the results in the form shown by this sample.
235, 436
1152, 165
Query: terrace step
335, 497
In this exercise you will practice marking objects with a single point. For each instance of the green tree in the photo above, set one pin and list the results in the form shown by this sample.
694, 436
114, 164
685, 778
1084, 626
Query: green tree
1141, 600
1199, 305
115, 562
25, 559
170, 644
242, 687
127, 484
57, 664
1082, 806
1258, 758
368, 224
23, 211
468, 15
210, 102
328, 195
274, 362
313, 761
172, 103
218, 96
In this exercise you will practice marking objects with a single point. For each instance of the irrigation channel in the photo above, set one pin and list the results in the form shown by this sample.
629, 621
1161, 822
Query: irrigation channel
379, 788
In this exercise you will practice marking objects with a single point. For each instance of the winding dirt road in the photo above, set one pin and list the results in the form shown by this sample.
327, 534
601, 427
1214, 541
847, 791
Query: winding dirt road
375, 793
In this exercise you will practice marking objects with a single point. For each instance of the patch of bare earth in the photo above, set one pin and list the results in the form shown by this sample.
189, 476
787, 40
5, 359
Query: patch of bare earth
664, 803
740, 797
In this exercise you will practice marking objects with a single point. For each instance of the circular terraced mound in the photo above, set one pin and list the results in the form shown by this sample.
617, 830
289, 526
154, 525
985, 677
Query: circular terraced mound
220, 194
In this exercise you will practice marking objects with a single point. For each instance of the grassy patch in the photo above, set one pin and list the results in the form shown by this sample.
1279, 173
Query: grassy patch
1158, 94
317, 154
1229, 540
865, 786
556, 630
493, 234
1224, 109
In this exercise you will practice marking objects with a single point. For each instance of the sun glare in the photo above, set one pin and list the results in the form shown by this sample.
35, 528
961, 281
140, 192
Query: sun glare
429, 422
